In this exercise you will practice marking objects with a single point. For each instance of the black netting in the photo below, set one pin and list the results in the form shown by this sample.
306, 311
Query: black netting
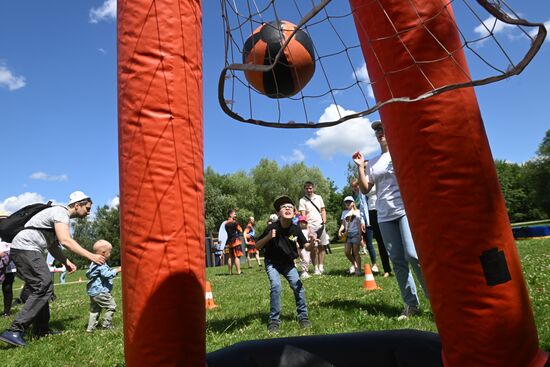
341, 77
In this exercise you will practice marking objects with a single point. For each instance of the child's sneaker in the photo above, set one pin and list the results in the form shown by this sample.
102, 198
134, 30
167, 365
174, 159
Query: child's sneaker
321, 268
375, 270
305, 275
305, 323
408, 311
273, 328
317, 271
352, 269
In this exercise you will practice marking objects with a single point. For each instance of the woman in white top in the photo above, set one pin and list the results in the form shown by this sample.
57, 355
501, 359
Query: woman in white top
392, 220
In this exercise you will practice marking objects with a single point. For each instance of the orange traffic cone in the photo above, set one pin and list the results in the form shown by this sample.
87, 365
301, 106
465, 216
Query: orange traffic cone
370, 283
209, 297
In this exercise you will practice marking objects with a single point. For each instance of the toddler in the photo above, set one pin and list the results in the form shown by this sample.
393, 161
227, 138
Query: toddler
99, 288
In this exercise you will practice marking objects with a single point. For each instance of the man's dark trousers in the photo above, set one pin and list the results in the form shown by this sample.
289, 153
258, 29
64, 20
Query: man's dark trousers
33, 269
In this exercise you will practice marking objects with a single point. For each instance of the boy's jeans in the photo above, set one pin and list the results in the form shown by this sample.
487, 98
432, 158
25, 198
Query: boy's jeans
291, 274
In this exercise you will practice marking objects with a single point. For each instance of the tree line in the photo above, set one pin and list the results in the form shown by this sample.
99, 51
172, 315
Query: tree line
525, 187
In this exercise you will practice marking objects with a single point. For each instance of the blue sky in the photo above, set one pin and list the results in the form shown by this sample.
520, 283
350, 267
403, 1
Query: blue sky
58, 111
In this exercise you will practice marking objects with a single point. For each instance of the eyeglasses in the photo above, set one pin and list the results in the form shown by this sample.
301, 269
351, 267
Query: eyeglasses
286, 207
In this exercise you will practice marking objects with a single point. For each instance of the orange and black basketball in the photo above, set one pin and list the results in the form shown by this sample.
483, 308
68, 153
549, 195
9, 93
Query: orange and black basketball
295, 66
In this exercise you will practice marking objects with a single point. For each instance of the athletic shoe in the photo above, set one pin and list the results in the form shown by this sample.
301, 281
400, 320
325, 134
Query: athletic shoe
352, 269
13, 337
321, 268
317, 272
358, 272
273, 328
375, 270
305, 323
408, 311
305, 275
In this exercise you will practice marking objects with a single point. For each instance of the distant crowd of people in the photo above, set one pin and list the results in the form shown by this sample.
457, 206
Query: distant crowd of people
296, 236
294, 239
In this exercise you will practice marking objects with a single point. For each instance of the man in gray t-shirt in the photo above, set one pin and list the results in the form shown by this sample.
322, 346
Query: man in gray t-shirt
28, 251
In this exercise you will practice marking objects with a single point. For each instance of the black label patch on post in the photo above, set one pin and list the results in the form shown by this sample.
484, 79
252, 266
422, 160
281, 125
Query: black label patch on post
495, 267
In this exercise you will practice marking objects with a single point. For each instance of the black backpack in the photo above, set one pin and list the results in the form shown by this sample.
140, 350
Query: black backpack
15, 223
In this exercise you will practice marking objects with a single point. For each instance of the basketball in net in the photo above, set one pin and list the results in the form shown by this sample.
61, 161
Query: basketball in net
295, 66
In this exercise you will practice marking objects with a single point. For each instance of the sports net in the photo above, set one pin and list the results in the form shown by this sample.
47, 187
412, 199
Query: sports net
497, 43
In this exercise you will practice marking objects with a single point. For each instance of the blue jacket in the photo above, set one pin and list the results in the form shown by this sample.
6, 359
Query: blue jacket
101, 279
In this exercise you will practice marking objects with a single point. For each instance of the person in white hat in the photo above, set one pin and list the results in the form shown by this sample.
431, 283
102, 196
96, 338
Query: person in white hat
392, 220
28, 251
351, 227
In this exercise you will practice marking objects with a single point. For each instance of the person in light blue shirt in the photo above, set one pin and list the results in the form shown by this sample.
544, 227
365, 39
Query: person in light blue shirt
99, 288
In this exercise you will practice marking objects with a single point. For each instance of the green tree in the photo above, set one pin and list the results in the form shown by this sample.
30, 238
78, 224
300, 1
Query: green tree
536, 178
514, 192
540, 175
106, 226
83, 234
333, 206
544, 148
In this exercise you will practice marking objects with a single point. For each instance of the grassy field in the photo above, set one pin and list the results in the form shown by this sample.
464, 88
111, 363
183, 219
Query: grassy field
336, 301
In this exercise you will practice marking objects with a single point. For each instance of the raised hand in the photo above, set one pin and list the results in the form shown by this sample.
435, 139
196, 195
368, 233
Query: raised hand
358, 158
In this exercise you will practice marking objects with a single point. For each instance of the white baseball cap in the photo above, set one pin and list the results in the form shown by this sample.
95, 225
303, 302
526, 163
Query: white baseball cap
77, 196
348, 198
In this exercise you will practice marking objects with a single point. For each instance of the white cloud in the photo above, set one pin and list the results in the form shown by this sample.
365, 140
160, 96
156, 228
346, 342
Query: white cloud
102, 50
42, 176
107, 11
345, 138
9, 80
363, 76
14, 203
114, 202
492, 25
296, 156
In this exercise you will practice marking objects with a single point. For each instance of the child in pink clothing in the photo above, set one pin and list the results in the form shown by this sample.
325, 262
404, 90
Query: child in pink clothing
305, 255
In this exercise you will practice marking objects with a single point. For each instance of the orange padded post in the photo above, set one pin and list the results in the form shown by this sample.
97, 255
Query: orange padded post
161, 182
450, 188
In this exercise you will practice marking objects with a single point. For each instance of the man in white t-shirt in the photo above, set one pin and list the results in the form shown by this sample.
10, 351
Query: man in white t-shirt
28, 250
312, 207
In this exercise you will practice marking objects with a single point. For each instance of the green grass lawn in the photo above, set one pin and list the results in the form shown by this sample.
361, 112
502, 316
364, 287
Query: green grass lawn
336, 301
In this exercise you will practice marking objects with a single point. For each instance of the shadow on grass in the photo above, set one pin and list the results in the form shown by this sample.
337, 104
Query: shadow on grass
342, 273
59, 324
371, 308
232, 324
